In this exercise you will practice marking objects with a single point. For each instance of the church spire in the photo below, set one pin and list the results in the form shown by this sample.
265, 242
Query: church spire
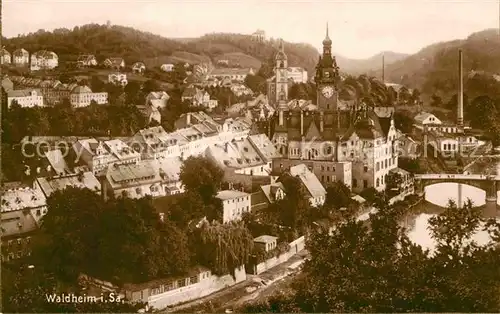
327, 42
281, 55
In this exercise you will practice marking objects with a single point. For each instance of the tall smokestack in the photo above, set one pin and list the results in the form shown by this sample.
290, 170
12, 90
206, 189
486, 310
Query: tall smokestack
301, 122
460, 109
383, 68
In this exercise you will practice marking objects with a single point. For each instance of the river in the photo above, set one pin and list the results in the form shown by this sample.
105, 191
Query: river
440, 194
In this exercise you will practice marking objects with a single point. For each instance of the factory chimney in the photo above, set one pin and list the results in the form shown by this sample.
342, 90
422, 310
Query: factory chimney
460, 98
383, 68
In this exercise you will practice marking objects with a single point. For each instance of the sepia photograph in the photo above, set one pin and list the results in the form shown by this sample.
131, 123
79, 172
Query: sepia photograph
250, 156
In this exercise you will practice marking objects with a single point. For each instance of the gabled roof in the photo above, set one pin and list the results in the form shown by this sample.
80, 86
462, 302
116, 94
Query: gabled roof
422, 116
308, 179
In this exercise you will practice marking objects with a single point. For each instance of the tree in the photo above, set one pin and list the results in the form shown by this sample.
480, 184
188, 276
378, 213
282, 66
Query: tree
202, 176
338, 195
374, 267
436, 101
393, 183
403, 122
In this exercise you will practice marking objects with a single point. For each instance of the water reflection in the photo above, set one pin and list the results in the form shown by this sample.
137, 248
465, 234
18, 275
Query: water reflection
420, 234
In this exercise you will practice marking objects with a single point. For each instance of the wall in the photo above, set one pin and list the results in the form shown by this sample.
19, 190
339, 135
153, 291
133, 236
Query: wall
203, 288
295, 247
250, 183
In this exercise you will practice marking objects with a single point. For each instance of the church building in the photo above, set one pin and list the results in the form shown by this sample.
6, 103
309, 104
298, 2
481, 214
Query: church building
338, 141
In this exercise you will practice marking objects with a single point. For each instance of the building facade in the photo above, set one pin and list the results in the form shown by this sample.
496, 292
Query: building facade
82, 96
25, 98
234, 204
44, 60
21, 57
278, 85
5, 57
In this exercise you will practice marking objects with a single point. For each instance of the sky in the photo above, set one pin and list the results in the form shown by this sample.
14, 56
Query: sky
358, 29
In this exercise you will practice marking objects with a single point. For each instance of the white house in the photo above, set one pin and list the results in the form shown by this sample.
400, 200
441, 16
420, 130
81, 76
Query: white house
139, 67
168, 67
86, 61
115, 63
82, 96
425, 118
25, 198
297, 74
98, 155
118, 79
21, 57
44, 60
5, 57
234, 203
25, 97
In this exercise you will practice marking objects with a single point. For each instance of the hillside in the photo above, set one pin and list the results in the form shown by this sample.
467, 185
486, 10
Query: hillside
374, 63
433, 69
134, 45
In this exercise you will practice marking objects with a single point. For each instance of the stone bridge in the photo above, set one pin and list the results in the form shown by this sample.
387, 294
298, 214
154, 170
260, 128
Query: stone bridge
488, 183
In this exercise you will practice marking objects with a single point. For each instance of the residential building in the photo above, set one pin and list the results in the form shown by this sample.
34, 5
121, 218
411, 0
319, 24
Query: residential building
82, 96
53, 91
44, 60
21, 57
315, 191
297, 74
266, 195
18, 228
139, 67
86, 61
235, 74
327, 171
407, 186
83, 180
99, 155
234, 203
240, 90
26, 199
223, 62
118, 79
5, 57
242, 157
158, 99
25, 98
168, 67
259, 35
146, 177
114, 63
444, 128
408, 148
426, 119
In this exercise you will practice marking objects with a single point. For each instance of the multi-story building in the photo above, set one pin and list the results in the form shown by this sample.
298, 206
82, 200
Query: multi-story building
44, 60
234, 204
315, 191
82, 96
21, 57
5, 57
118, 79
25, 98
99, 155
336, 135
83, 180
297, 74
114, 63
146, 177
86, 61
139, 67
22, 210
235, 74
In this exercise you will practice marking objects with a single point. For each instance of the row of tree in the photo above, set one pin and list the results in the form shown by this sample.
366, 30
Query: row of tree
375, 267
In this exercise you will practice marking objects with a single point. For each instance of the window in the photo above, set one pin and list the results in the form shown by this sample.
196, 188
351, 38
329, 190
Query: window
181, 283
334, 178
365, 184
378, 182
193, 279
322, 178
322, 168
327, 168
377, 166
354, 183
327, 179
385, 163
365, 168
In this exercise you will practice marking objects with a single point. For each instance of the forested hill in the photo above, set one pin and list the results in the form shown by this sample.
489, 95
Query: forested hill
433, 70
134, 45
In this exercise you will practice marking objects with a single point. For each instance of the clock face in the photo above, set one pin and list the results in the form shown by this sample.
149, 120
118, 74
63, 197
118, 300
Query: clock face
327, 91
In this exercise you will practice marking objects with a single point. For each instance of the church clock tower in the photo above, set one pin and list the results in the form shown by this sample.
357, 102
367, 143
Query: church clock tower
281, 70
327, 78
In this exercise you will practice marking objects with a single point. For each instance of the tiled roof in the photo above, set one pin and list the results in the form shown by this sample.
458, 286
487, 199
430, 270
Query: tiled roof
264, 146
22, 92
22, 198
17, 223
45, 54
236, 154
20, 52
81, 90
310, 181
230, 194
85, 180
265, 239
420, 118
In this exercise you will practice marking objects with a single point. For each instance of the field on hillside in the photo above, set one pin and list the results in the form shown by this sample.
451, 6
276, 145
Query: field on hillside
176, 57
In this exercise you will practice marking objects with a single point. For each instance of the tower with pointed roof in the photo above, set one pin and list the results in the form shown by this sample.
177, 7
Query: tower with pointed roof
281, 70
327, 77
